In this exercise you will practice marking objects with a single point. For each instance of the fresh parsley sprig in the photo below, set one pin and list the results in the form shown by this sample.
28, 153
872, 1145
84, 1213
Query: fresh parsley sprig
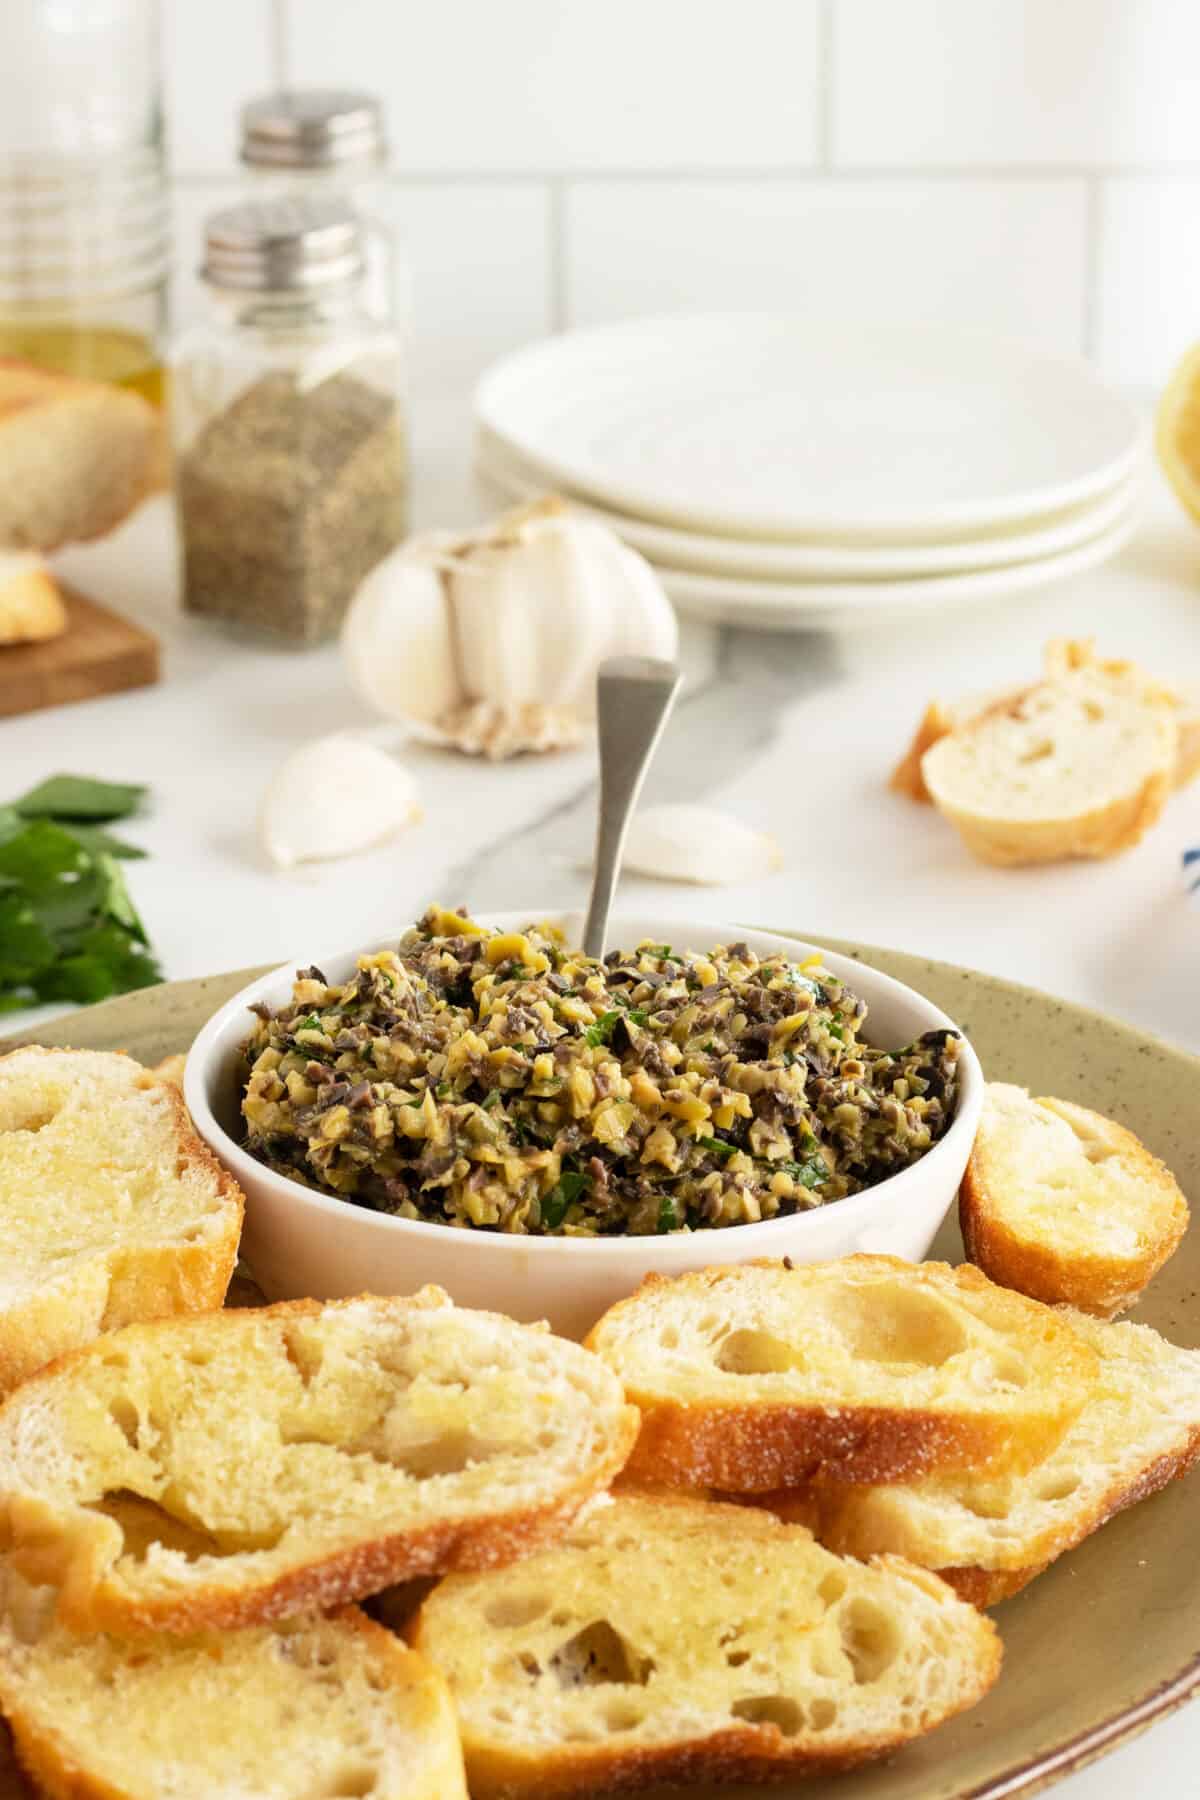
68, 927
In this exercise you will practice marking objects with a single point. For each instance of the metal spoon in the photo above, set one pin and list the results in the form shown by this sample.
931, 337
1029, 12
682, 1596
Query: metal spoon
635, 695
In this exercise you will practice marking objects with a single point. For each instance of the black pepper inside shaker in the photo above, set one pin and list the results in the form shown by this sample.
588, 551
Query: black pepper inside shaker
291, 439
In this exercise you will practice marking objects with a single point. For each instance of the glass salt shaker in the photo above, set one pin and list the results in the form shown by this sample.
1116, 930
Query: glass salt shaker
330, 142
290, 432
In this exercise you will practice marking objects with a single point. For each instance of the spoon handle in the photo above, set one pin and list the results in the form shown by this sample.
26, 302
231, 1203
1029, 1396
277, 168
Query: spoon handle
635, 695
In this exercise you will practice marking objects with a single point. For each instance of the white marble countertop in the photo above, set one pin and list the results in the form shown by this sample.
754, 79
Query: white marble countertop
792, 733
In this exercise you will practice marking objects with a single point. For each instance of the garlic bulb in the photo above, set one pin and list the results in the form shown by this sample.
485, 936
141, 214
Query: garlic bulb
332, 797
698, 844
490, 640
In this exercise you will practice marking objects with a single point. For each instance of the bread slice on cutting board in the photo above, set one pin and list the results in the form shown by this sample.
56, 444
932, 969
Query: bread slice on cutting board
245, 1465
1079, 766
31, 607
678, 1640
989, 1535
1065, 1205
329, 1706
762, 1376
111, 1208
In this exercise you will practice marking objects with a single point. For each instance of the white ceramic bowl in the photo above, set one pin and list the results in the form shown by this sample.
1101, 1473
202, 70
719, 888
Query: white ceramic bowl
299, 1242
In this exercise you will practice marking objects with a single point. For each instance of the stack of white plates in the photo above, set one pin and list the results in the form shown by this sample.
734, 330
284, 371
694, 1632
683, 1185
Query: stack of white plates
784, 472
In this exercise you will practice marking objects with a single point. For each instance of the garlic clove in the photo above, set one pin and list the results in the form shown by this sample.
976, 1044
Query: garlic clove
518, 615
396, 637
698, 844
333, 797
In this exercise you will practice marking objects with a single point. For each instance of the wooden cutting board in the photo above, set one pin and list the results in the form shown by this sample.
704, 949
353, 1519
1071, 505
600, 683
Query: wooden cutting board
99, 653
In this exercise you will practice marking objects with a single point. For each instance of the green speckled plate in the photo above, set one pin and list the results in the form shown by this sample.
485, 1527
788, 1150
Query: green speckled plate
1108, 1639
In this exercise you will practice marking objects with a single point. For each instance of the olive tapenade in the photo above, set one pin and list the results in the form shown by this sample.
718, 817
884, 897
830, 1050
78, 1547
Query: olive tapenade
506, 1082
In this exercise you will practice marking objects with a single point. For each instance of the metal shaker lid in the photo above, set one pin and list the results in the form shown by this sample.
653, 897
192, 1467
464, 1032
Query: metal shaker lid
289, 244
312, 128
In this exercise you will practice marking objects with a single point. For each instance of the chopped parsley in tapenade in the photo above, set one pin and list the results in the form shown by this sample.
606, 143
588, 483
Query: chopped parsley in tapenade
503, 1081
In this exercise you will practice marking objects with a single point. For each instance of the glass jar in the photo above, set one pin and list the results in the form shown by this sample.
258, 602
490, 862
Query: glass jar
84, 215
331, 142
290, 433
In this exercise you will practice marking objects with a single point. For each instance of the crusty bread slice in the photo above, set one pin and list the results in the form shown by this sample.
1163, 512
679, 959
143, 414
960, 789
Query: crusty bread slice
171, 1068
313, 1706
243, 1466
111, 1208
1063, 655
678, 1640
1078, 766
761, 1376
76, 456
939, 719
31, 607
1066, 1205
989, 1535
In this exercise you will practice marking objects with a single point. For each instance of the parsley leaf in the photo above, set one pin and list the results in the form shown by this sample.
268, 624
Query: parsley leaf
562, 1195
602, 1030
810, 1173
668, 1215
80, 797
717, 1144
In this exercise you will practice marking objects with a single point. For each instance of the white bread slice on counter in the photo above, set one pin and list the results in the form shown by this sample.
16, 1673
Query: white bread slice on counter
1080, 766
330, 1706
111, 1208
31, 607
250, 1464
939, 719
76, 456
1062, 655
1066, 1205
762, 1376
989, 1535
678, 1640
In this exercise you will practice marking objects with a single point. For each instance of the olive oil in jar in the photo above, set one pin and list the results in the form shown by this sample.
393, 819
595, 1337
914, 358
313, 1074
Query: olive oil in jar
99, 352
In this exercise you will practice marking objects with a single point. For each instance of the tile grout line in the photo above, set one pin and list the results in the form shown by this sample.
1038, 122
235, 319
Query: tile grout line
556, 252
1092, 230
843, 175
825, 30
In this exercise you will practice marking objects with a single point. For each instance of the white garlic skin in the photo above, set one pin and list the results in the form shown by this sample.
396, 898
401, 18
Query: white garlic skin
698, 845
332, 797
517, 615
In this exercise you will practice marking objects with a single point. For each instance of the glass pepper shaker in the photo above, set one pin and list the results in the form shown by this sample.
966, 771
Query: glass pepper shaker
290, 433
330, 142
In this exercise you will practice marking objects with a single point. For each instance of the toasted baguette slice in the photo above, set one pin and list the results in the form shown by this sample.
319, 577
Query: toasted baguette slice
869, 1369
677, 1640
989, 1535
939, 719
76, 456
112, 1208
313, 1706
244, 1466
171, 1068
31, 607
1065, 1205
1079, 766
1062, 655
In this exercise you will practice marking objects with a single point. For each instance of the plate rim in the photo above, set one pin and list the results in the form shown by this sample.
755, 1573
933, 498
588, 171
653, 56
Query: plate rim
1034, 1774
522, 482
520, 366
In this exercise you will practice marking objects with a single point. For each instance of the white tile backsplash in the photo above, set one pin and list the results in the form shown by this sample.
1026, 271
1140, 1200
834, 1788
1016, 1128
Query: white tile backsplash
1148, 275
1027, 164
1011, 83
535, 84
1009, 254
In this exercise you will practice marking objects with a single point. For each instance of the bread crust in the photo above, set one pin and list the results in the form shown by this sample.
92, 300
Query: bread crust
91, 1598
760, 1445
1105, 831
126, 1284
1059, 1273
31, 607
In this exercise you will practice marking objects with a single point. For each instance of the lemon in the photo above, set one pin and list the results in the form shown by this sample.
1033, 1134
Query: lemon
1177, 431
